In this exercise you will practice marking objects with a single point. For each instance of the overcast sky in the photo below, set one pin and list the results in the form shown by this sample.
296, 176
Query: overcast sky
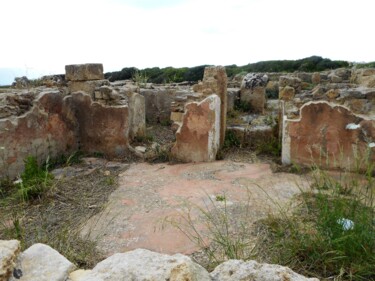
44, 35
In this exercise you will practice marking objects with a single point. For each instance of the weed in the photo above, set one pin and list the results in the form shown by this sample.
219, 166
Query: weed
162, 154
144, 138
6, 187
98, 154
331, 234
35, 181
233, 114
166, 122
218, 232
140, 78
64, 160
231, 140
220, 198
110, 181
272, 93
271, 147
242, 106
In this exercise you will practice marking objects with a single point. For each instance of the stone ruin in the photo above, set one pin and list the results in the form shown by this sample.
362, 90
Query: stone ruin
324, 118
332, 124
96, 116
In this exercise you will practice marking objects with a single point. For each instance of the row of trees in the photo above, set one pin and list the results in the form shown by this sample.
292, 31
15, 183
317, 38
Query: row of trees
170, 74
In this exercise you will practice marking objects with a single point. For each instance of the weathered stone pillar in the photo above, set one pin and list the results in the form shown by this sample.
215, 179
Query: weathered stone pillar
215, 78
198, 138
137, 115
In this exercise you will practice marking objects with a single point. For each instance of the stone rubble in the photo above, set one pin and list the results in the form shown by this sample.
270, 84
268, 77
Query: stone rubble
42, 263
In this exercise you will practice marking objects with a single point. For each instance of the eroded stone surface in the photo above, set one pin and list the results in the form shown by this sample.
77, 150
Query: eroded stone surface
9, 251
84, 72
145, 265
198, 138
47, 129
330, 136
101, 128
236, 270
42, 263
88, 87
57, 125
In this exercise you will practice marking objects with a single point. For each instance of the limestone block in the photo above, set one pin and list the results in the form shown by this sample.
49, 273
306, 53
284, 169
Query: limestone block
256, 97
333, 93
89, 87
9, 251
234, 270
98, 95
290, 81
42, 263
315, 78
137, 115
84, 72
334, 78
365, 77
106, 92
327, 135
78, 275
360, 106
343, 73
305, 77
102, 128
145, 265
198, 88
177, 116
287, 93
198, 138
158, 104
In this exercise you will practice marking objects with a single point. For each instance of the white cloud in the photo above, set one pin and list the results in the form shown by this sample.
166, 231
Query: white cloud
47, 34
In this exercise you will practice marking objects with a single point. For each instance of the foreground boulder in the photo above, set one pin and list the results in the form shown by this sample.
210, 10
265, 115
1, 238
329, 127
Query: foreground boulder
145, 265
42, 263
237, 270
9, 251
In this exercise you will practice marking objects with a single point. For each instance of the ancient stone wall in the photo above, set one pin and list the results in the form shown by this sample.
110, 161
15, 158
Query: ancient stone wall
58, 125
48, 129
330, 136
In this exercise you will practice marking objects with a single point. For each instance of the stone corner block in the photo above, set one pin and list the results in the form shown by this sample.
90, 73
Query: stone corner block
84, 72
